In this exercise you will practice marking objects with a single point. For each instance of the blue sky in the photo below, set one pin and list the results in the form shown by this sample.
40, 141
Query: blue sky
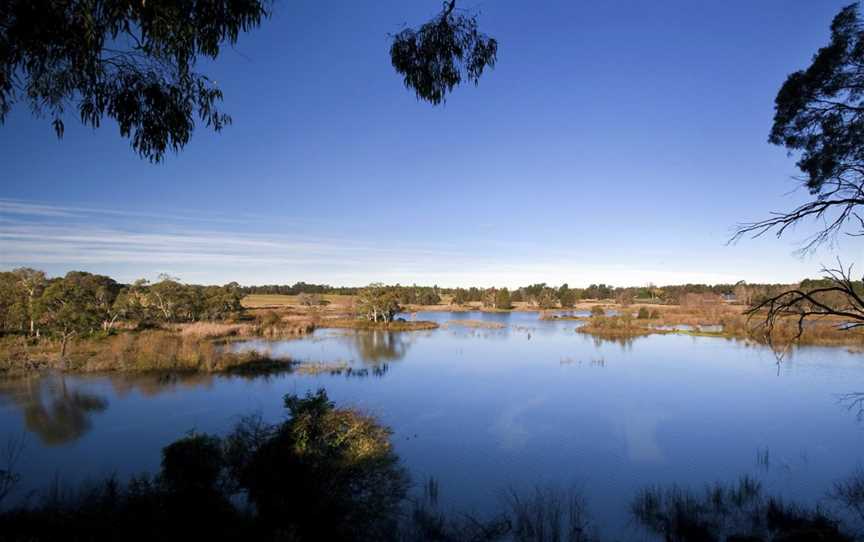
614, 142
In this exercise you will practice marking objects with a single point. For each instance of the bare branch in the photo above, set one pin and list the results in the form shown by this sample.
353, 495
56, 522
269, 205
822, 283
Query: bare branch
840, 299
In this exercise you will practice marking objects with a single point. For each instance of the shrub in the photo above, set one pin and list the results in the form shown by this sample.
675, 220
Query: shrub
327, 473
502, 299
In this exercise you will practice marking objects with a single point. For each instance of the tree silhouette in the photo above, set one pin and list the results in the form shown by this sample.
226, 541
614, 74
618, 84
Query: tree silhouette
819, 113
135, 62
436, 57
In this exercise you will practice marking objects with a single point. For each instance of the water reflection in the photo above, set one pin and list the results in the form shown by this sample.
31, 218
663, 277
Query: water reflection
59, 409
158, 383
483, 409
854, 402
55, 409
626, 343
375, 347
640, 436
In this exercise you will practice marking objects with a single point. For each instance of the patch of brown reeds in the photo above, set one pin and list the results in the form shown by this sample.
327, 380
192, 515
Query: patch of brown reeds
398, 325
614, 327
477, 323
149, 350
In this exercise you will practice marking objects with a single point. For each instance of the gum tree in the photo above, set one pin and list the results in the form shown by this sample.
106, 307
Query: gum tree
136, 63
819, 116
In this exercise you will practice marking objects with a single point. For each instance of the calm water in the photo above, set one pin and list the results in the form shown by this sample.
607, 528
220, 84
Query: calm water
484, 410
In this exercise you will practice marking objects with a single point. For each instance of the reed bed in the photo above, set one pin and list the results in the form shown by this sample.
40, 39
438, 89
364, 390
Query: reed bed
476, 324
150, 350
398, 325
212, 330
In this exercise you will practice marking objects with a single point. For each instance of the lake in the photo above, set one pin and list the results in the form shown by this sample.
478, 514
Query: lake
486, 410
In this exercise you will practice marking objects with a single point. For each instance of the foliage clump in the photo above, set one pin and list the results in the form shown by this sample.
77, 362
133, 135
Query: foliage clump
132, 62
645, 314
502, 299
327, 472
436, 57
378, 303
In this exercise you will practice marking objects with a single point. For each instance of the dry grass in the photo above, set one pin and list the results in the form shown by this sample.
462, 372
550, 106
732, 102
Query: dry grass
734, 324
275, 301
273, 325
355, 323
212, 330
816, 333
151, 350
321, 367
441, 307
692, 316
477, 324
19, 354
614, 327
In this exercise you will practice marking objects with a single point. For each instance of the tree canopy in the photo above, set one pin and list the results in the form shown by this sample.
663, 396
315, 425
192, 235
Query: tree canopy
436, 57
819, 115
133, 62
136, 62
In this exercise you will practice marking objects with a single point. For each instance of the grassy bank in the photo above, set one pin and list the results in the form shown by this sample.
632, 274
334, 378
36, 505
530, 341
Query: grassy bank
275, 301
137, 351
398, 325
614, 327
476, 324
198, 346
731, 324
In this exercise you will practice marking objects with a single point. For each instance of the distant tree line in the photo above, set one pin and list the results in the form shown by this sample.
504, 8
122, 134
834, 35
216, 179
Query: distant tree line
296, 289
544, 296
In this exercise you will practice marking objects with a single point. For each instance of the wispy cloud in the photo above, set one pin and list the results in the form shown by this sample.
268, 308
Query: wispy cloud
60, 238
70, 237
47, 210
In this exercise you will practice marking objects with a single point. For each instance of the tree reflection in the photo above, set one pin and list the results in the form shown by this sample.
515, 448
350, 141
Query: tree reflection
377, 346
59, 410
626, 343
854, 402
377, 371
53, 409
157, 383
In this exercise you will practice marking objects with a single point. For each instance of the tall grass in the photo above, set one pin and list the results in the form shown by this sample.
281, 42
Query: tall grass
212, 330
612, 327
477, 324
398, 325
149, 350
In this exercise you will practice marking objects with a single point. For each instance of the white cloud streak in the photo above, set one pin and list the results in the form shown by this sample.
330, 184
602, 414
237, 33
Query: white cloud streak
63, 238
